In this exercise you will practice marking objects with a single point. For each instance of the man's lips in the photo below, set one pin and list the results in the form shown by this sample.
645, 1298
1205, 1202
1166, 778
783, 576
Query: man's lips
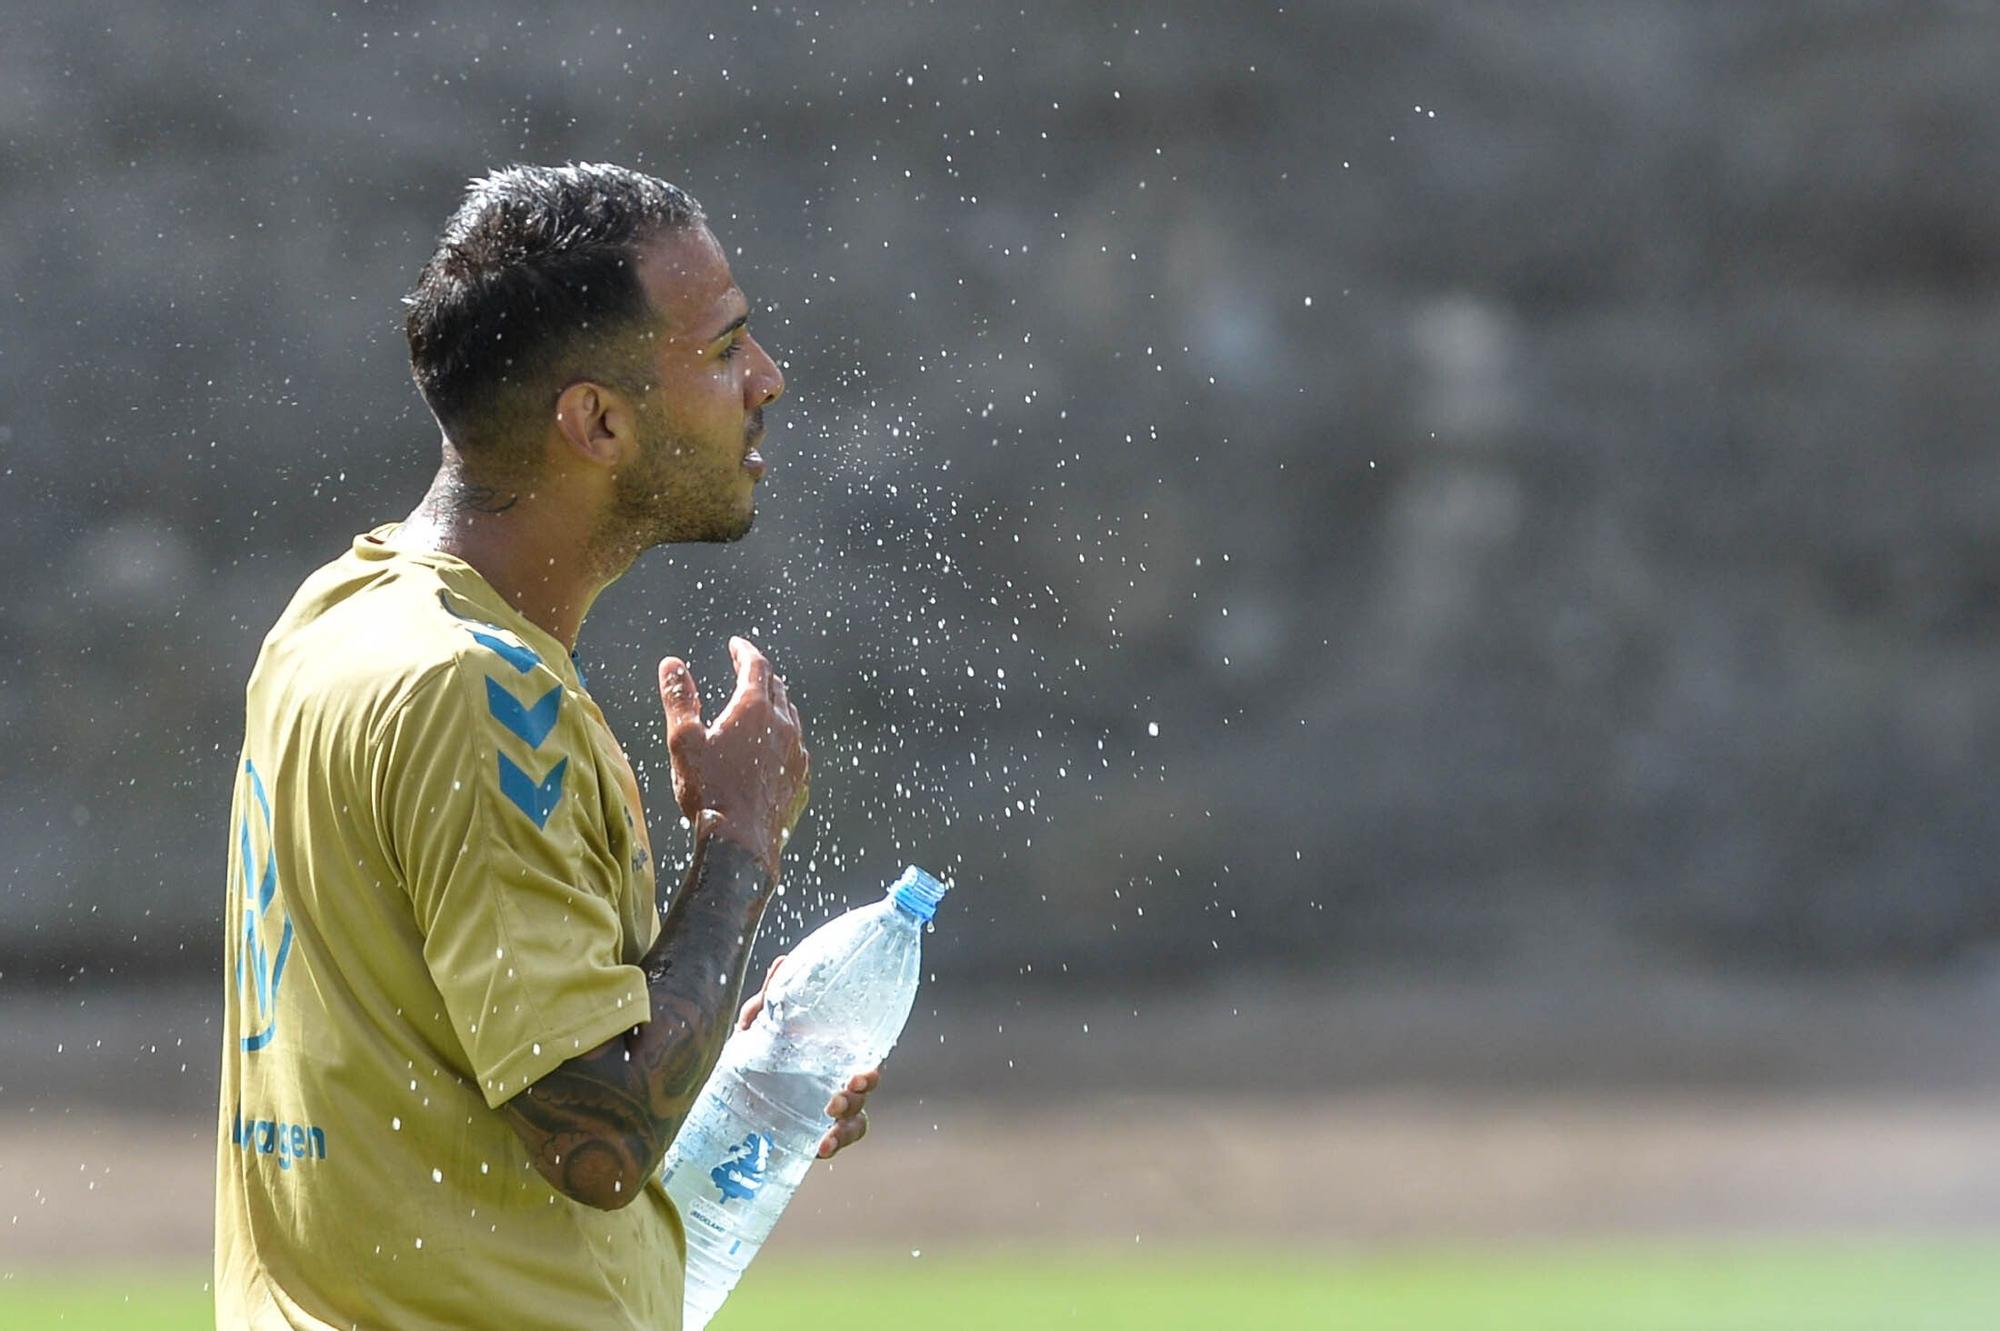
753, 461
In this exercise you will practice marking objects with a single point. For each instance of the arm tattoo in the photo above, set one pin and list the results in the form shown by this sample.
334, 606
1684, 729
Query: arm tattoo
598, 1126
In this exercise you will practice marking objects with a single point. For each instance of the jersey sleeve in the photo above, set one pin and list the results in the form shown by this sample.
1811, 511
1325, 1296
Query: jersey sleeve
488, 801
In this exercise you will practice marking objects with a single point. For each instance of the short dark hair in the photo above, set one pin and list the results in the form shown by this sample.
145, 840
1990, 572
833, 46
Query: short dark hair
535, 273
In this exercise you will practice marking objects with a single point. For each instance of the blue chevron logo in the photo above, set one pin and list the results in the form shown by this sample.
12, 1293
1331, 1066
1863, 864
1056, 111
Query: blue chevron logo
521, 658
530, 723
518, 655
538, 801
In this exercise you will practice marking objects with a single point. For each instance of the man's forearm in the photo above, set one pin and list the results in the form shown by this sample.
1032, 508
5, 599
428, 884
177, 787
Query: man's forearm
694, 976
599, 1125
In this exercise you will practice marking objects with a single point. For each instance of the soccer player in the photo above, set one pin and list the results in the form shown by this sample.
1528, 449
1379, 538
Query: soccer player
460, 1035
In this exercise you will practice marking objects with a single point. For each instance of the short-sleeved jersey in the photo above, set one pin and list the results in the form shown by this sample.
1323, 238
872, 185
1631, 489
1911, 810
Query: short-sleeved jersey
439, 888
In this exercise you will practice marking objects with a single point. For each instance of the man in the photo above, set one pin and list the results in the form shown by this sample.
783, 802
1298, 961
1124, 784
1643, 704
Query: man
459, 1036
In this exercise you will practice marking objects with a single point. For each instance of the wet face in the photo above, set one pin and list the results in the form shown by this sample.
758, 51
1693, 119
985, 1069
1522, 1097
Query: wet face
702, 416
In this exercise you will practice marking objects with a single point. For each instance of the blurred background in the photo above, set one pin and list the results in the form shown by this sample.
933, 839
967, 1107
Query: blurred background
1428, 571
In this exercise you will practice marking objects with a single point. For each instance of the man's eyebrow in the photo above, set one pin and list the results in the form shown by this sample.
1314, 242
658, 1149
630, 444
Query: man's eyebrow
731, 327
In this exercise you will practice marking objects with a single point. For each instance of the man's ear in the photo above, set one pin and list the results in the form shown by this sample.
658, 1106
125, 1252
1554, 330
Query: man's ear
595, 423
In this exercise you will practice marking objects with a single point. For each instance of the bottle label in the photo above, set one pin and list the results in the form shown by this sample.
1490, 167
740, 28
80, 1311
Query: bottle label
742, 1172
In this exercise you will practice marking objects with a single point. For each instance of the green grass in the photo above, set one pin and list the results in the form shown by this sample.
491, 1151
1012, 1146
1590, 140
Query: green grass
1940, 1286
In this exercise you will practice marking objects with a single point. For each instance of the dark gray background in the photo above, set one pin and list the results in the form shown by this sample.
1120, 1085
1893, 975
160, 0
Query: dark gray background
1532, 463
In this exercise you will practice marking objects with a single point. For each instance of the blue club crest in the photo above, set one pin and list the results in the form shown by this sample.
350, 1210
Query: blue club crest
260, 958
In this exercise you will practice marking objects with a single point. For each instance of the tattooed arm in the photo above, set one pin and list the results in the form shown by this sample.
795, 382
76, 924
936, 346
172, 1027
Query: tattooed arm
598, 1126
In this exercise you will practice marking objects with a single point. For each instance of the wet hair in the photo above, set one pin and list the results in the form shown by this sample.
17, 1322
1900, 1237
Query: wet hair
534, 285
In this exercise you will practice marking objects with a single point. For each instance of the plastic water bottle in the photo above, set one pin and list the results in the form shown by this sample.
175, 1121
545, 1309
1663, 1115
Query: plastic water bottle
834, 1010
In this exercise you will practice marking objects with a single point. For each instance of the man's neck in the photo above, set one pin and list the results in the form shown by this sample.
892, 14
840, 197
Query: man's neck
523, 543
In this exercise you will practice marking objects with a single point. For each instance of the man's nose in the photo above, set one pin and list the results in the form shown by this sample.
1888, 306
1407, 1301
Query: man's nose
767, 383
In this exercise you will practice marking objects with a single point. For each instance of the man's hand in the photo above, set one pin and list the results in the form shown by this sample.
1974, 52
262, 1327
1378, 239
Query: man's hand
849, 1108
751, 766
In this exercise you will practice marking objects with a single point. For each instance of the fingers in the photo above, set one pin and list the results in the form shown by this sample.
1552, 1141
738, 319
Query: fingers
845, 1133
782, 701
755, 1003
854, 1096
686, 735
678, 694
849, 1111
753, 672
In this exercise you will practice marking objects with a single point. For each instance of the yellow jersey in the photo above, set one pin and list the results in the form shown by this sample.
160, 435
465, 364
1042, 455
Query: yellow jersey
439, 888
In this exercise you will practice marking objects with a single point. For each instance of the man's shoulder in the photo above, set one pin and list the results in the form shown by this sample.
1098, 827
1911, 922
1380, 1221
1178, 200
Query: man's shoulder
367, 637
356, 621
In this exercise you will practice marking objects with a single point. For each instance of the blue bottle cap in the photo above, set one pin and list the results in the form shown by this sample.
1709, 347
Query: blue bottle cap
918, 893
